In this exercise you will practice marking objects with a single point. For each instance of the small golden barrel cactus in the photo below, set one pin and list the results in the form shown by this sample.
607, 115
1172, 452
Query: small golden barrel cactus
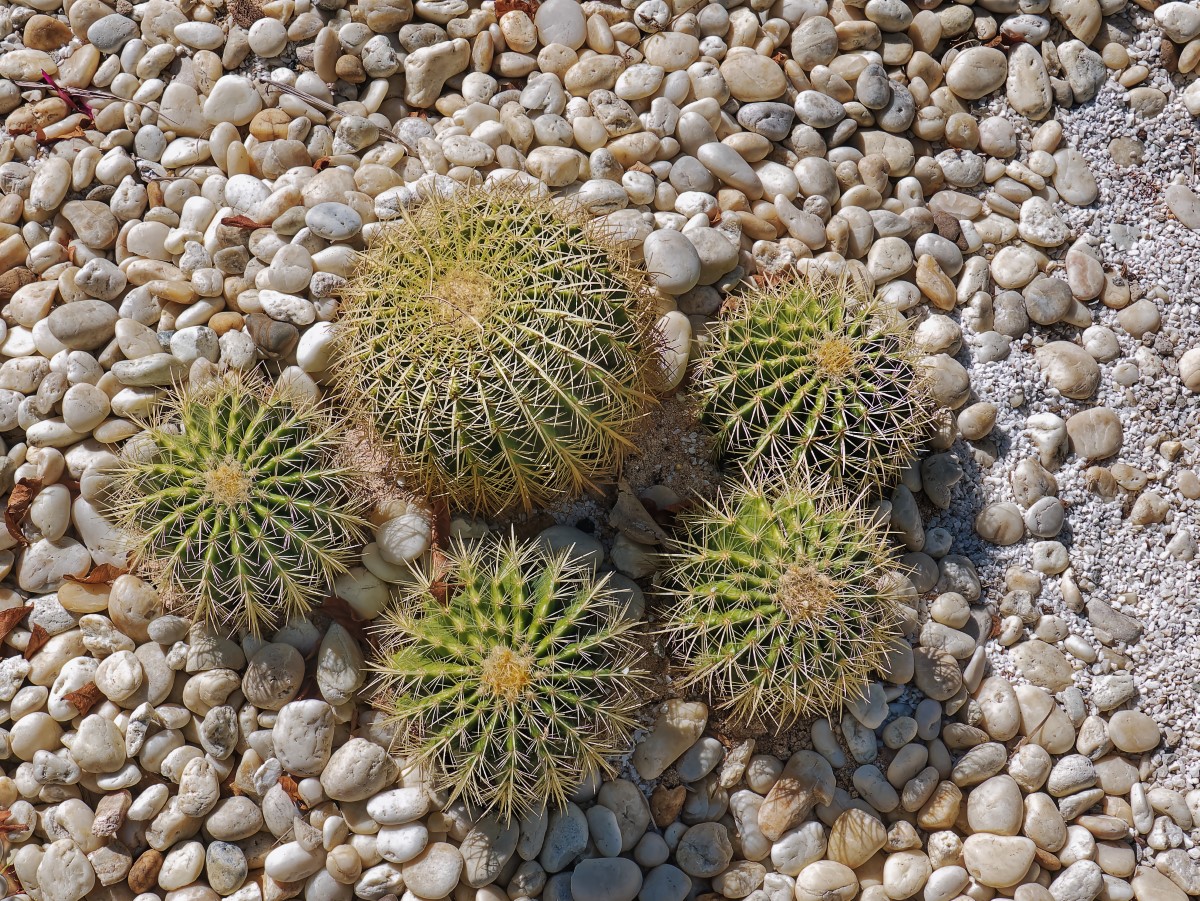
500, 346
815, 374
511, 673
782, 600
236, 504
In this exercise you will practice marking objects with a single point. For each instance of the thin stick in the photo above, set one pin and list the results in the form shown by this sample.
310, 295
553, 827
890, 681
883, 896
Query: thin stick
318, 103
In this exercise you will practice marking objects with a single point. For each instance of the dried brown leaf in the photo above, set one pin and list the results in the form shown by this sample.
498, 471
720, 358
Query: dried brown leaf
8, 874
85, 698
6, 826
37, 637
104, 574
439, 587
440, 528
240, 221
667, 515
440, 538
632, 517
292, 790
19, 500
10, 617
155, 195
529, 7
76, 132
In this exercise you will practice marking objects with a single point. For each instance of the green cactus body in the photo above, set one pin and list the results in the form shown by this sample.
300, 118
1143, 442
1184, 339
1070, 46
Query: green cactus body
236, 506
500, 347
519, 685
781, 601
814, 374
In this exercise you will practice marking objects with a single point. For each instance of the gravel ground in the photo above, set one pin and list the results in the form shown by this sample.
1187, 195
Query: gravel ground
744, 147
1125, 564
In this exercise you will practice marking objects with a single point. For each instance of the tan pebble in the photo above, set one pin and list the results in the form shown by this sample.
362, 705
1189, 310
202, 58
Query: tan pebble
518, 30
350, 69
1189, 484
1190, 57
855, 837
934, 283
270, 124
666, 803
556, 59
998, 861
144, 874
36, 115
1150, 885
1133, 732
671, 49
826, 880
46, 33
941, 810
226, 321
600, 35
1133, 75
593, 73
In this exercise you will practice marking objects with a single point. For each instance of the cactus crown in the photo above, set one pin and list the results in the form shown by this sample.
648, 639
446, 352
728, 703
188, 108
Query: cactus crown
500, 346
813, 373
781, 601
519, 685
236, 505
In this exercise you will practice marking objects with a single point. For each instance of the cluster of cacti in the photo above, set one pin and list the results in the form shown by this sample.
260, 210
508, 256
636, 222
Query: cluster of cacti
510, 673
502, 350
782, 603
236, 504
500, 347
502, 353
815, 376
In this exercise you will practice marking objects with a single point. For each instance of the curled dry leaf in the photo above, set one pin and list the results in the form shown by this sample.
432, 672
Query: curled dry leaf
439, 539
10, 617
529, 7
37, 637
240, 221
292, 790
76, 132
7, 827
8, 874
665, 515
104, 574
85, 698
19, 500
631, 517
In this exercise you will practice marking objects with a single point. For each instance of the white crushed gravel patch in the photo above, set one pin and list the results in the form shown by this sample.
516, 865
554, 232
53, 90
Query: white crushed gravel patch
1124, 564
